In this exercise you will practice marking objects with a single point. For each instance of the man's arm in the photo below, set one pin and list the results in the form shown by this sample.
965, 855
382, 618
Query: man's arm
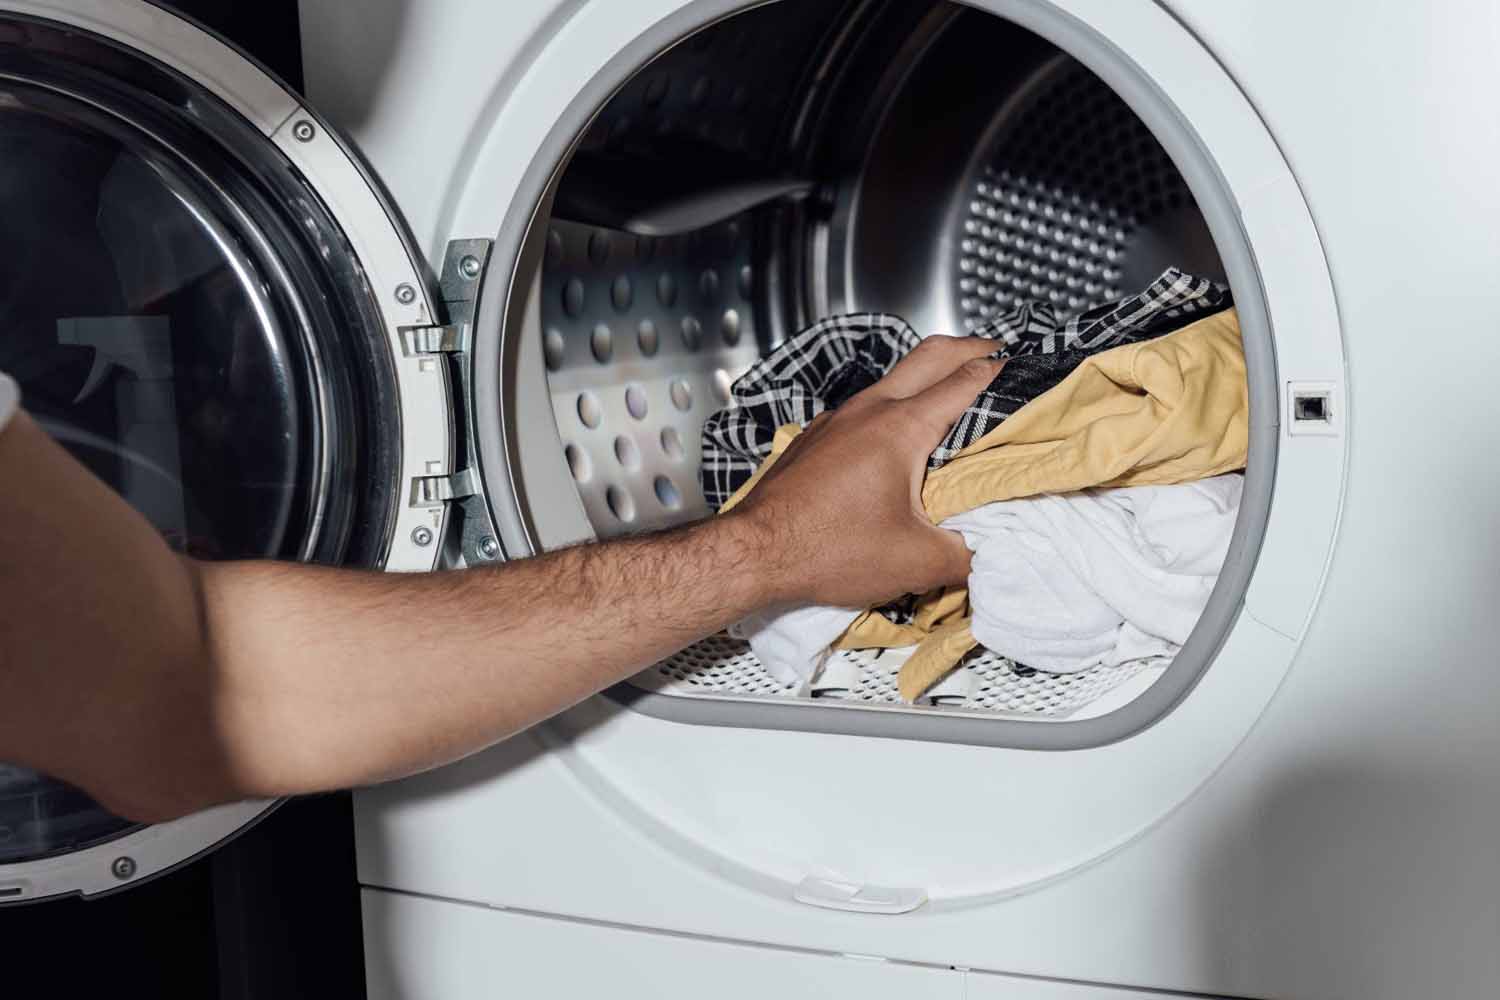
161, 685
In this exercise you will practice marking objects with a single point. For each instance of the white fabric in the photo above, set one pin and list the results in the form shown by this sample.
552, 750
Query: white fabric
10, 399
792, 645
1099, 578
1059, 583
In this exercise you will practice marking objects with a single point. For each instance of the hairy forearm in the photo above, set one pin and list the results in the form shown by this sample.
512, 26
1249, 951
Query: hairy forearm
326, 678
159, 684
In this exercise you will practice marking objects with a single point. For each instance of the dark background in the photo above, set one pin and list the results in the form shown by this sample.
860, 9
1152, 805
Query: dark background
273, 914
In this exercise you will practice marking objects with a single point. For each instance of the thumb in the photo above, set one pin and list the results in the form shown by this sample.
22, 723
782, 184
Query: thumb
937, 408
951, 558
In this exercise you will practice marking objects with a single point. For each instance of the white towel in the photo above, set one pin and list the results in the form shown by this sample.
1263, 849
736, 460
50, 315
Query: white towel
792, 644
1061, 583
1066, 583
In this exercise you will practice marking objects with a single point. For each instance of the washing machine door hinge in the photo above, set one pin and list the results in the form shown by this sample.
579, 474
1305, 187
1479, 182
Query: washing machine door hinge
474, 539
450, 338
429, 491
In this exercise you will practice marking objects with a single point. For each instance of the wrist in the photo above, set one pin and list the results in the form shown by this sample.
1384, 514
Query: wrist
758, 571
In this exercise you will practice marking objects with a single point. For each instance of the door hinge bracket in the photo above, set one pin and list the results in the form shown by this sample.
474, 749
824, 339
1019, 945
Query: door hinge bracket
451, 338
429, 491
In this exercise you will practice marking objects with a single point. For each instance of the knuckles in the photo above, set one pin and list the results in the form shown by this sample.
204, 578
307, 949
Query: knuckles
979, 368
939, 347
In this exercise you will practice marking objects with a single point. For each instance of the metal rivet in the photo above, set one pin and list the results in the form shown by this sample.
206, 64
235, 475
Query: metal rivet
489, 548
667, 493
554, 348
620, 504
304, 131
589, 410
602, 343
622, 293
600, 247
123, 868
572, 297
578, 463
671, 444
469, 267
422, 536
406, 294
648, 338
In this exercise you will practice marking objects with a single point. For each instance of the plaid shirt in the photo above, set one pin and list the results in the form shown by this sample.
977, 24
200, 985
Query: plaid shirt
832, 360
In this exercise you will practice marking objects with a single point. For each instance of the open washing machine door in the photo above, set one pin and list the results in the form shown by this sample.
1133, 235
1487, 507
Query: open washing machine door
672, 186
208, 302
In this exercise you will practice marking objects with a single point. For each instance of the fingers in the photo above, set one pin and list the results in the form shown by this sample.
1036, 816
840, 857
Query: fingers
937, 408
810, 433
933, 360
951, 559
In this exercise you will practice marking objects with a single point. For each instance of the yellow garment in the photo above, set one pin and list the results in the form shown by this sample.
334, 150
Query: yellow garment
1170, 410
873, 630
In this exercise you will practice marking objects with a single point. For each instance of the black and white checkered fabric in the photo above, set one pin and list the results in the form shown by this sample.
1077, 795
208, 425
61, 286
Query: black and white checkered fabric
1043, 350
823, 366
818, 369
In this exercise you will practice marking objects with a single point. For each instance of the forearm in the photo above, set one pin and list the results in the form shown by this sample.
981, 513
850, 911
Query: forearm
159, 684
328, 678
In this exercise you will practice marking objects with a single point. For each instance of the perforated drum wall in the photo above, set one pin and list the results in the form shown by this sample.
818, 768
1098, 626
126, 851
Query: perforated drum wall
642, 337
1072, 184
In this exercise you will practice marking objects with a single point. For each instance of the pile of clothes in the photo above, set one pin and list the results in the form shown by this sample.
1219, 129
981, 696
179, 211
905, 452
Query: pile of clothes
1096, 480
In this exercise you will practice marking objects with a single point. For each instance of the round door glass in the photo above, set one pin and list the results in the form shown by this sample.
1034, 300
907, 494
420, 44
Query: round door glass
146, 341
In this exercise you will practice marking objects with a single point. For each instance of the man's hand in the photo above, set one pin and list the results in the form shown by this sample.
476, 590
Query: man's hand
840, 513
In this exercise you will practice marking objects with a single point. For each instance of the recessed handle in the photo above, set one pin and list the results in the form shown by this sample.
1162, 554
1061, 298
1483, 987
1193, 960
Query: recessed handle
856, 898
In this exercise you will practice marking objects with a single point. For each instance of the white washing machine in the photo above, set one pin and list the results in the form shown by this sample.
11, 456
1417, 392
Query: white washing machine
598, 213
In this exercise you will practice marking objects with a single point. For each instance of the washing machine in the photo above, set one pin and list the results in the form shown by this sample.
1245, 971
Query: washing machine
472, 297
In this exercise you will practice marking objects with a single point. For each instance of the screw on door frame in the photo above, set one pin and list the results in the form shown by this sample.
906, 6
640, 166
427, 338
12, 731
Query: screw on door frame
470, 266
489, 548
405, 294
123, 868
304, 131
422, 535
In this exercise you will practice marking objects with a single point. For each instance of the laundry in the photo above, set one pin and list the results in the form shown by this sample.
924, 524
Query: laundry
1159, 412
1041, 351
792, 645
1065, 583
1061, 583
1165, 411
825, 365
818, 369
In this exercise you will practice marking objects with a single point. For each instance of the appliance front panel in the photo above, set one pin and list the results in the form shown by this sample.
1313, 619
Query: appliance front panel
613, 816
